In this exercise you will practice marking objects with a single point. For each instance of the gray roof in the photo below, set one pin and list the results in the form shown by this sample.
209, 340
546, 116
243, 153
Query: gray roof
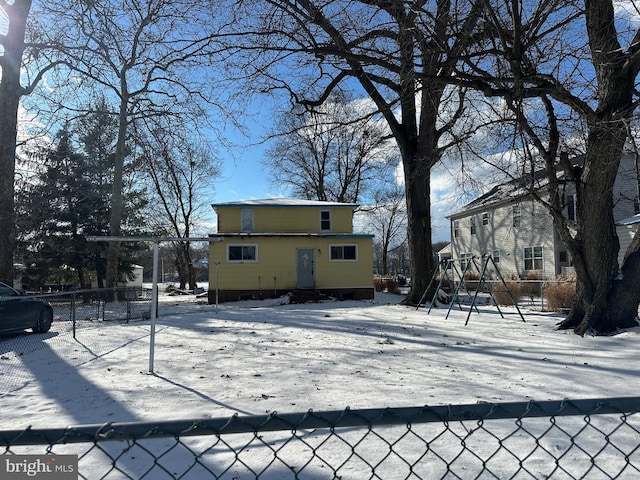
511, 191
283, 202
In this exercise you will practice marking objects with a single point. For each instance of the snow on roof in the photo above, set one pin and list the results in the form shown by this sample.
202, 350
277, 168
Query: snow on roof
513, 190
283, 202
446, 249
630, 220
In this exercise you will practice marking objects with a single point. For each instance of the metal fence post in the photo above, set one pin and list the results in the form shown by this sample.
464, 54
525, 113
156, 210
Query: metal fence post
73, 314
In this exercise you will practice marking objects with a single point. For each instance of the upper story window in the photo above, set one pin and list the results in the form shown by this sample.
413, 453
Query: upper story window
246, 220
496, 256
473, 225
485, 218
456, 228
517, 215
325, 220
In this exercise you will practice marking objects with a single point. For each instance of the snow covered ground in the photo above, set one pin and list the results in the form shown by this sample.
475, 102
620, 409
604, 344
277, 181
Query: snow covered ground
254, 357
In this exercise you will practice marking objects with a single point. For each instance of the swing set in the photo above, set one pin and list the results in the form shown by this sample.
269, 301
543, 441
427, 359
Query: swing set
450, 265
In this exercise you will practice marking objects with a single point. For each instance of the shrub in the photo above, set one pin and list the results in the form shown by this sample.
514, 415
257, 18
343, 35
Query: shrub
560, 295
472, 280
391, 285
386, 285
502, 296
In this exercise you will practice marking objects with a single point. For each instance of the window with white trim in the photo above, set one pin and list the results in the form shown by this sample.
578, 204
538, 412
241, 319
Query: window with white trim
325, 220
242, 253
473, 225
533, 258
456, 228
343, 253
465, 259
485, 218
496, 256
517, 215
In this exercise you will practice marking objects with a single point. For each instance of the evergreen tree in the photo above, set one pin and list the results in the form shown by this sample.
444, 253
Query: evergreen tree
70, 200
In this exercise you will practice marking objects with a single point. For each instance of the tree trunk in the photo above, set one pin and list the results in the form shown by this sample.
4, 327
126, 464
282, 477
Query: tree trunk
595, 254
385, 261
184, 265
10, 93
115, 222
419, 228
419, 154
604, 303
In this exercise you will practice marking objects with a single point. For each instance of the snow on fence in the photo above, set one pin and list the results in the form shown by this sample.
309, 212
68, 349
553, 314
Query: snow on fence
553, 439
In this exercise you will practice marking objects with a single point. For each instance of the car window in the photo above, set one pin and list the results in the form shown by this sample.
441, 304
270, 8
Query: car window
6, 291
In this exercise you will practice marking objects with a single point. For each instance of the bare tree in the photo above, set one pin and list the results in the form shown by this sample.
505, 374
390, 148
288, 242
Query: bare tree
333, 153
181, 169
558, 64
138, 53
311, 49
388, 220
21, 44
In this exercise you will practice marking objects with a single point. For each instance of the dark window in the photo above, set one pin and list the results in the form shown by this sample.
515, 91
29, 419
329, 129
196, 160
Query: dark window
533, 259
344, 252
571, 207
325, 221
242, 253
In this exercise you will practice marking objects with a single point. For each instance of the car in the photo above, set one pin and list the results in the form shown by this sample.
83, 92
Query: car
20, 312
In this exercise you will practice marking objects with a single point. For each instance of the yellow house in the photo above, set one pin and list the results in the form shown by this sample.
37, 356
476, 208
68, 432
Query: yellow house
272, 247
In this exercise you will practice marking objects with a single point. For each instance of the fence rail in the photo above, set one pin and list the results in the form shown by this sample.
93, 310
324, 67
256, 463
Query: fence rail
553, 439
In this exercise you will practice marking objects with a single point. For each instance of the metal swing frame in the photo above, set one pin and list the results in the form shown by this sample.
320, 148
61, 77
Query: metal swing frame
450, 263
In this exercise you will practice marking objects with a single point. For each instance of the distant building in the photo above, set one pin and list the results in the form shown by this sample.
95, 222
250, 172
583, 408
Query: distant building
272, 247
518, 232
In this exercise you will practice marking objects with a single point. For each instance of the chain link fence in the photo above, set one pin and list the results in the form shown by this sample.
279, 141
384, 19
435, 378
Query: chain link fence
77, 309
590, 439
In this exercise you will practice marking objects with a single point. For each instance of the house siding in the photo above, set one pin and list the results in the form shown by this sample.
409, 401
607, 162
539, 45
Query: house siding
535, 229
625, 189
278, 232
626, 231
285, 219
277, 258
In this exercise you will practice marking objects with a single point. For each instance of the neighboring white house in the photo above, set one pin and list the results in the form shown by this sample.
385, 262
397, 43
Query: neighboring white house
518, 232
626, 229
